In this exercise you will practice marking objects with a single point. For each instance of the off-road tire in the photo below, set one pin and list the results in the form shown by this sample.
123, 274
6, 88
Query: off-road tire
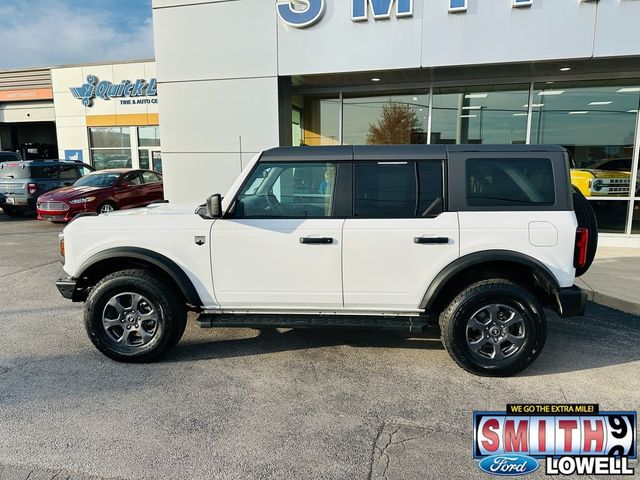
455, 317
586, 219
171, 313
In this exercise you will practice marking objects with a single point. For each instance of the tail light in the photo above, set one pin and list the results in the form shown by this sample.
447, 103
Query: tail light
580, 253
32, 188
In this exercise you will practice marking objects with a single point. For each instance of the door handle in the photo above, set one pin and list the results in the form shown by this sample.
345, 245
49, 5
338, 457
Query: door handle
316, 240
431, 240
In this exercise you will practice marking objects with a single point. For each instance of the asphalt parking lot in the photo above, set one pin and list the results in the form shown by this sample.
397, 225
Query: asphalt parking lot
241, 403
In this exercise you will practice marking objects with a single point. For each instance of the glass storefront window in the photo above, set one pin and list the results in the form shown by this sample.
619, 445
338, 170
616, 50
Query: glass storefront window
111, 158
149, 136
318, 120
635, 226
386, 119
611, 215
596, 122
484, 114
110, 137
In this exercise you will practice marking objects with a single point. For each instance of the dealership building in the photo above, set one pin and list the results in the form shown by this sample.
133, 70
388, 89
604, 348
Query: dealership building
240, 76
102, 114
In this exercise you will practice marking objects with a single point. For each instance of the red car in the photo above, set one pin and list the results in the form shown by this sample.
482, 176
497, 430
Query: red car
101, 192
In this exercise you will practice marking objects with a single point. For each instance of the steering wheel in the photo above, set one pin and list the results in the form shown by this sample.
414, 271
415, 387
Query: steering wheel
273, 203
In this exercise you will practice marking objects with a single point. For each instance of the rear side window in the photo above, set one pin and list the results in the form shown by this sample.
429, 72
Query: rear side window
398, 189
509, 182
150, 177
8, 170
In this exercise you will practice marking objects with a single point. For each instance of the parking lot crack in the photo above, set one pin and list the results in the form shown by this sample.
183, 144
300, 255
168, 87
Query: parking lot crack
27, 269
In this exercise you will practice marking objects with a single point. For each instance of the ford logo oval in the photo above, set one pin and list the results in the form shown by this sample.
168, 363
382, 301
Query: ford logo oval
508, 464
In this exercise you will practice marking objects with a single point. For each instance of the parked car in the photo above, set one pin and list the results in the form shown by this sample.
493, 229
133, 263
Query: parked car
23, 182
606, 177
102, 191
10, 157
478, 239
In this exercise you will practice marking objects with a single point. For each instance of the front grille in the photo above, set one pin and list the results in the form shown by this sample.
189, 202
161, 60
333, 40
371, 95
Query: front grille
53, 206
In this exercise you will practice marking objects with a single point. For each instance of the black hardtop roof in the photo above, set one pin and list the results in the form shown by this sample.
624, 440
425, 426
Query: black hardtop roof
395, 152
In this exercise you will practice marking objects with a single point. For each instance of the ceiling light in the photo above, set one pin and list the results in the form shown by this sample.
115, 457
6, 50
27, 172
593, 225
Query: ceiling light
549, 83
629, 90
565, 69
632, 111
468, 116
415, 99
520, 114
581, 112
534, 105
375, 79
472, 107
600, 103
551, 92
476, 95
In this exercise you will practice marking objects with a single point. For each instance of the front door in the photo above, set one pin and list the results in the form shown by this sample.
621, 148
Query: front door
279, 247
400, 235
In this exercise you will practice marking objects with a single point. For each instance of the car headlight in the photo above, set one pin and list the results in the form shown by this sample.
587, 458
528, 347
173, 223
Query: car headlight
82, 200
597, 185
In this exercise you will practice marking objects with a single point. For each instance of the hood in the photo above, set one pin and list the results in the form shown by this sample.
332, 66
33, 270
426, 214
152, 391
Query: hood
156, 209
69, 193
606, 173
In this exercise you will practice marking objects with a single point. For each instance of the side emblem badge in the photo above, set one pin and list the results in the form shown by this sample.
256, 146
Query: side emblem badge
199, 241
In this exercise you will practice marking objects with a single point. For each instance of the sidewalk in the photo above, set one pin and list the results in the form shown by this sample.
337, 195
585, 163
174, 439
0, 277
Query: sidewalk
614, 279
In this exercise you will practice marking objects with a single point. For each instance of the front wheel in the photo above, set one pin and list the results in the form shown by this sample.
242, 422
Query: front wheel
131, 316
494, 328
106, 207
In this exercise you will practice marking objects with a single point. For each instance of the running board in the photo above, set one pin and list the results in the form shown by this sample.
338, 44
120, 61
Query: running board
411, 324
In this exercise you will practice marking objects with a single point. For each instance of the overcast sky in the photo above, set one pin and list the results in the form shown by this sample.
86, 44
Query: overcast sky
35, 33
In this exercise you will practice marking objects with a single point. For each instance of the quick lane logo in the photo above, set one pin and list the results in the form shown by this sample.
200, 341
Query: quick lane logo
105, 89
304, 13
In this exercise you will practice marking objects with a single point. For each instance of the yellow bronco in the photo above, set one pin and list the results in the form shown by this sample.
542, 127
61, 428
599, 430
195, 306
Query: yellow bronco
602, 180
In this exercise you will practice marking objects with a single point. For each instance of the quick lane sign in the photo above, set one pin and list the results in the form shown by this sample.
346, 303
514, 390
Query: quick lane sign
304, 13
105, 90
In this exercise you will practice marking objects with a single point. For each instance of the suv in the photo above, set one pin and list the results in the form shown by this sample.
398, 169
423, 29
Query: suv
21, 183
479, 239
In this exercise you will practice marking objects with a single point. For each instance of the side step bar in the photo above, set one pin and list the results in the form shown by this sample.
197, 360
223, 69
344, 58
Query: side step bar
411, 324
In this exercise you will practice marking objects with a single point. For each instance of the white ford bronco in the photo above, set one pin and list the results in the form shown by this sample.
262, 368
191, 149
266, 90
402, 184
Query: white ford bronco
480, 239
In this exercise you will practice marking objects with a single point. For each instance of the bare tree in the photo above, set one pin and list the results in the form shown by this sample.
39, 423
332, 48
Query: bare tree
398, 124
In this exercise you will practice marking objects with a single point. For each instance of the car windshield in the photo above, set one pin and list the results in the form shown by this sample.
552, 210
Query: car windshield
97, 180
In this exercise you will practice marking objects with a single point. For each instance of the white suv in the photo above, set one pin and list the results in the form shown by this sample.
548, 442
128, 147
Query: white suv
478, 238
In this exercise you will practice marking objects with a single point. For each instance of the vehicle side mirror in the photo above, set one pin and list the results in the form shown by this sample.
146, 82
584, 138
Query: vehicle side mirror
212, 208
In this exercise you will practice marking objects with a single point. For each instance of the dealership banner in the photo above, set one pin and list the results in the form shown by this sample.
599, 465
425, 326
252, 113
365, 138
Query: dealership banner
571, 438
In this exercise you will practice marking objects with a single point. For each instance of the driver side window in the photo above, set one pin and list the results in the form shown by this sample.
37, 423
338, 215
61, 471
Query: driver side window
287, 190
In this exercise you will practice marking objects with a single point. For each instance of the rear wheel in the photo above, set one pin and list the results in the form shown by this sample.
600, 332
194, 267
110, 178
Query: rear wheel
494, 328
131, 316
586, 219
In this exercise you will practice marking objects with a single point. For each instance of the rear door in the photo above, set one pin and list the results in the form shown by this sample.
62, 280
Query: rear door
400, 235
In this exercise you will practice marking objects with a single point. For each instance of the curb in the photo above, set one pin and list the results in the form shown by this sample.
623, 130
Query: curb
632, 308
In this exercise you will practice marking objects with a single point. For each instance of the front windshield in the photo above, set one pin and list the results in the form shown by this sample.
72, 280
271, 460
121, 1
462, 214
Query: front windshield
97, 180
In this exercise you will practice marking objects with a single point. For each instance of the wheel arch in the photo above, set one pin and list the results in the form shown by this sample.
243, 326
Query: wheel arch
121, 258
515, 266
